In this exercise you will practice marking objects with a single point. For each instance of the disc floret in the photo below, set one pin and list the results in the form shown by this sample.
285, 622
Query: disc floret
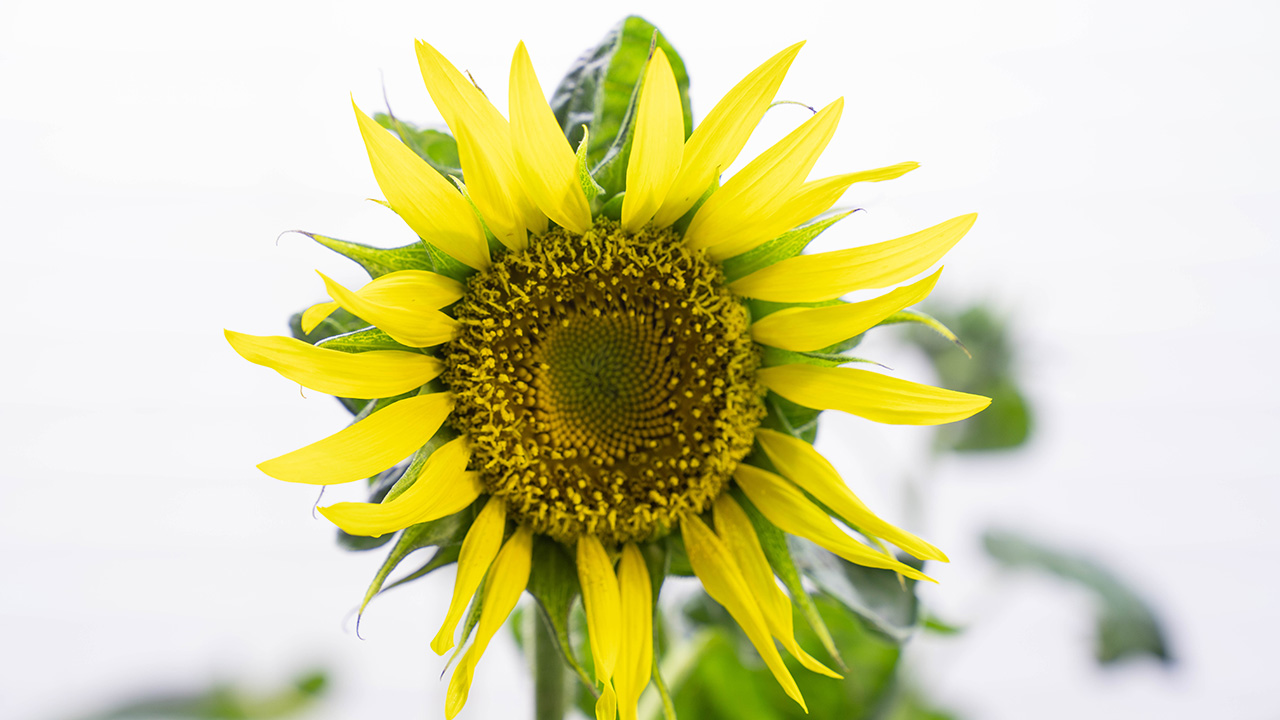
606, 382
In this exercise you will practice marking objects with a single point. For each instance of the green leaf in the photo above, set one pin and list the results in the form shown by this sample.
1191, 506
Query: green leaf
786, 245
726, 669
437, 148
378, 261
363, 340
449, 530
553, 582
774, 542
882, 598
1127, 626
444, 264
1007, 423
601, 90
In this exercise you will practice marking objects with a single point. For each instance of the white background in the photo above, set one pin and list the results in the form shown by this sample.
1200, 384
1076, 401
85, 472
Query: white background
1123, 158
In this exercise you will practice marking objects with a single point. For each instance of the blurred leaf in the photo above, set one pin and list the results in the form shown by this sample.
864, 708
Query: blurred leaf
1008, 422
378, 261
938, 626
553, 582
1126, 624
437, 148
786, 245
728, 681
882, 598
226, 702
601, 90
912, 706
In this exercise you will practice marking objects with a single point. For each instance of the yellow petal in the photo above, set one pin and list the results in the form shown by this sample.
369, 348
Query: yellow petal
365, 448
812, 199
758, 191
427, 202
635, 654
785, 506
607, 703
601, 601
870, 395
739, 536
484, 150
804, 329
314, 315
375, 374
824, 276
547, 165
400, 310
799, 462
441, 488
657, 145
722, 579
481, 545
507, 580
718, 139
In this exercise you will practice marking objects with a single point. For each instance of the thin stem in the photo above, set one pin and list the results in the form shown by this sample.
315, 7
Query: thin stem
550, 681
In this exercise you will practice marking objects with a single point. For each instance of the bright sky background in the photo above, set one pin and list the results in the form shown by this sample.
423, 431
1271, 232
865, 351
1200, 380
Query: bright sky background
1122, 156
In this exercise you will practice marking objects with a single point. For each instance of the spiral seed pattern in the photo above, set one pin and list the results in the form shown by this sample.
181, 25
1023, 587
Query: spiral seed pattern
606, 381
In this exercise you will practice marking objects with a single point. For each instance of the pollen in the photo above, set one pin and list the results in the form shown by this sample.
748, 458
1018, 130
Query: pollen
606, 382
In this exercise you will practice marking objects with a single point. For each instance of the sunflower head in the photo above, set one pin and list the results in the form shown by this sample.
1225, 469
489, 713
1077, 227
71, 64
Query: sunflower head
601, 355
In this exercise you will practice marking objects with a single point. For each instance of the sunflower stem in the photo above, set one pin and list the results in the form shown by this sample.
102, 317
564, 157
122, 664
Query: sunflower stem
550, 681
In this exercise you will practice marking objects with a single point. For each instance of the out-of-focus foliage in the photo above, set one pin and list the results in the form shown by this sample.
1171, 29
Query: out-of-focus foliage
1007, 423
225, 702
727, 681
1127, 627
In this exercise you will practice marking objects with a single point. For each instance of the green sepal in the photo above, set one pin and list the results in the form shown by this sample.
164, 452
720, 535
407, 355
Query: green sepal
915, 316
884, 600
590, 187
378, 261
449, 530
1126, 625
613, 208
444, 555
772, 356
682, 223
410, 476
601, 89
786, 245
341, 322
553, 582
791, 418
358, 341
774, 542
437, 148
444, 264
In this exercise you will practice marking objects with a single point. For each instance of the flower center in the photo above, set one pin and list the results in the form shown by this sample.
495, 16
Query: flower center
606, 382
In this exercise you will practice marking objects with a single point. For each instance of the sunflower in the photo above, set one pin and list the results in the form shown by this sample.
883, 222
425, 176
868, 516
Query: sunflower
608, 375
